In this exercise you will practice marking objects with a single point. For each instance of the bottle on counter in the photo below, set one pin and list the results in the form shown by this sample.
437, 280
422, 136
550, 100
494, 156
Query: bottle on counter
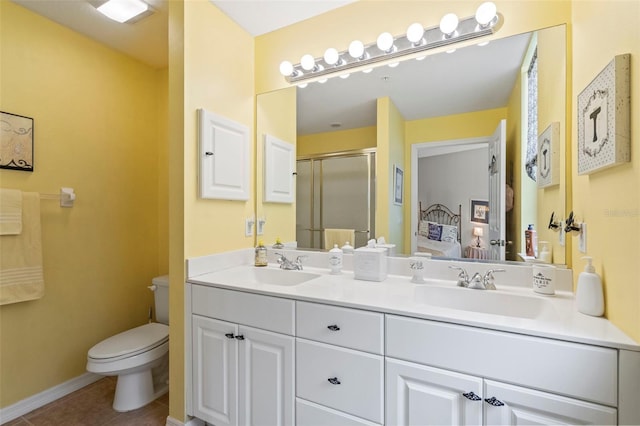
531, 241
589, 297
335, 260
261, 254
278, 244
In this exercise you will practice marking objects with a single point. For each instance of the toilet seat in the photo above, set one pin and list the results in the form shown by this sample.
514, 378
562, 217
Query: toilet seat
130, 343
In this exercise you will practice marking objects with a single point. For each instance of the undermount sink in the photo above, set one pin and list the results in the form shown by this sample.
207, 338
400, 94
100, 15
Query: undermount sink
264, 275
483, 301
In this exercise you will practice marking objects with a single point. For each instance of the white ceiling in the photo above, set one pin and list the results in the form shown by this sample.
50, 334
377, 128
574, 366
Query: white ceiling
470, 79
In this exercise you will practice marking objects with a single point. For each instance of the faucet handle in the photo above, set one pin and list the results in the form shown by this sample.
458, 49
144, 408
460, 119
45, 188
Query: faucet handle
463, 277
488, 278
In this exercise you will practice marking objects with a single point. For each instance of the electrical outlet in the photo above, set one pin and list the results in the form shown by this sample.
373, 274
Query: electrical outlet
248, 226
562, 235
260, 227
582, 238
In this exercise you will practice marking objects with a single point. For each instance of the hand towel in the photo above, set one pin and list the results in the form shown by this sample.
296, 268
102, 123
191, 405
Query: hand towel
21, 276
338, 236
10, 211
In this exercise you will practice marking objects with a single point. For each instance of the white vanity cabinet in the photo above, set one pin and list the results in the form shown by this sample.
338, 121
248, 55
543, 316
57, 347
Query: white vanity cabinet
339, 365
441, 373
242, 374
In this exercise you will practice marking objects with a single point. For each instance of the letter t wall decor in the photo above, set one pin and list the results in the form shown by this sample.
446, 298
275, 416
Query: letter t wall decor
604, 118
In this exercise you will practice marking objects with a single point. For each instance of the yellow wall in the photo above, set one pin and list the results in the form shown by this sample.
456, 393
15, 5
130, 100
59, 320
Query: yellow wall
204, 72
390, 153
276, 116
98, 128
340, 140
609, 201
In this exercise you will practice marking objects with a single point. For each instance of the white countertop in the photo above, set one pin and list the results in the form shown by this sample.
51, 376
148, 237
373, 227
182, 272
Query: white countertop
396, 295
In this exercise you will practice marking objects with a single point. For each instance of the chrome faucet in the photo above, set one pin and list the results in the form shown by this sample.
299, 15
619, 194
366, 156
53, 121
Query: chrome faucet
477, 281
288, 264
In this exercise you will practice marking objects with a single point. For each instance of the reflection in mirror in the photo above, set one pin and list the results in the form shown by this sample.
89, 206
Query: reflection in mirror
434, 118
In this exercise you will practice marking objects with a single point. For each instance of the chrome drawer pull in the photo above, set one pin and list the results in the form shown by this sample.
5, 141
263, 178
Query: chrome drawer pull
334, 381
472, 396
333, 327
240, 337
229, 336
495, 402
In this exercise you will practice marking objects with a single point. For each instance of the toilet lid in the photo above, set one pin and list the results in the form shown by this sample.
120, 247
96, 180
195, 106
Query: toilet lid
132, 341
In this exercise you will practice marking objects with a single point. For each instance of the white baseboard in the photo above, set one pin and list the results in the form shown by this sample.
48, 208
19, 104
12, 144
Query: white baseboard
31, 403
193, 422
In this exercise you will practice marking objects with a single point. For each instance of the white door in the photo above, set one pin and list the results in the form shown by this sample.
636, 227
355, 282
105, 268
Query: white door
522, 406
265, 378
497, 183
421, 395
215, 371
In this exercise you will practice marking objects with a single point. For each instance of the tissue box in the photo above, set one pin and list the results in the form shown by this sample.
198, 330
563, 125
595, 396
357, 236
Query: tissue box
370, 264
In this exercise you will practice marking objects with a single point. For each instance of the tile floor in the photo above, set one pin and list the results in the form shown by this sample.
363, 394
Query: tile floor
91, 406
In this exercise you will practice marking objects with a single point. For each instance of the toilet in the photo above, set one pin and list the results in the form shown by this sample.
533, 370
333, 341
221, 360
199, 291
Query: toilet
139, 357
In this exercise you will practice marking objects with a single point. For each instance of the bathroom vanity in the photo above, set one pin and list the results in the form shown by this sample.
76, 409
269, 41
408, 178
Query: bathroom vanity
310, 348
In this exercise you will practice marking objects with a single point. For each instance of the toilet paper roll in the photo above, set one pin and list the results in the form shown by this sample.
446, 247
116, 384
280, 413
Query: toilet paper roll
544, 279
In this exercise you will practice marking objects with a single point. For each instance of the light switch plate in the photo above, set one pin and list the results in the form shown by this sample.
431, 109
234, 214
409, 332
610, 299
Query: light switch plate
248, 227
582, 238
260, 226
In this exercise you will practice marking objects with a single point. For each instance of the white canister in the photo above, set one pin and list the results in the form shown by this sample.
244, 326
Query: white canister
335, 260
544, 279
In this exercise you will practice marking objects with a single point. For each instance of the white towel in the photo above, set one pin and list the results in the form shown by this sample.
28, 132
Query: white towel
338, 236
10, 211
21, 276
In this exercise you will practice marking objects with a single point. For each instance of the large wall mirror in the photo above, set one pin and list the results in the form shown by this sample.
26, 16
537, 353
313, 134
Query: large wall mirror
375, 149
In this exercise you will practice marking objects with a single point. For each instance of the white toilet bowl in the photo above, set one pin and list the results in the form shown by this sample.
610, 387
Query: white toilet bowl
131, 355
139, 357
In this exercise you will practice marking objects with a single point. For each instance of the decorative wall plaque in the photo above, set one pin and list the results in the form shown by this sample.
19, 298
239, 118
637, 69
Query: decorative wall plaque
16, 142
604, 118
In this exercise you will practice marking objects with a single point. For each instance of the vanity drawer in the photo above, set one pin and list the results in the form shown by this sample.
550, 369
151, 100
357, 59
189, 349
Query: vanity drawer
571, 369
357, 378
264, 312
351, 328
310, 414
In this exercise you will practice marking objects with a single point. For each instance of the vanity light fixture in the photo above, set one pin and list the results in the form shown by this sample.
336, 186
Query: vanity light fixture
123, 10
417, 39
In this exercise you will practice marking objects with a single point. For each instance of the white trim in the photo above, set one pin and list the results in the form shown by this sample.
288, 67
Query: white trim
193, 422
43, 398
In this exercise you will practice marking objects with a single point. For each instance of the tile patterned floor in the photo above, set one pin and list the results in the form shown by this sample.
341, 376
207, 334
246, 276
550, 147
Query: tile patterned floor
91, 406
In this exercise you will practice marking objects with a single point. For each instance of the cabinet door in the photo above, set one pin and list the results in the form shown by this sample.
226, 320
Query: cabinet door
215, 371
421, 395
265, 378
524, 406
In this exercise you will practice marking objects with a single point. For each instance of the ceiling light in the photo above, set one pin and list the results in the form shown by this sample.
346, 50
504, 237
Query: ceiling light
391, 49
356, 49
123, 10
486, 13
448, 24
385, 42
415, 32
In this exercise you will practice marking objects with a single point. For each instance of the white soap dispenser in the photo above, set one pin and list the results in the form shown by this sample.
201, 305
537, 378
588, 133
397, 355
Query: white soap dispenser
590, 297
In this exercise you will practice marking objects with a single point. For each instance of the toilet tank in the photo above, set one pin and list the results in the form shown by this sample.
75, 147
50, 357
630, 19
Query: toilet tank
161, 295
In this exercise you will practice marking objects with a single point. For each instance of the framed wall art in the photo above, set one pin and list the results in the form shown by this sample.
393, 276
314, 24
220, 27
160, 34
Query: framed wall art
604, 118
548, 162
398, 185
479, 211
16, 142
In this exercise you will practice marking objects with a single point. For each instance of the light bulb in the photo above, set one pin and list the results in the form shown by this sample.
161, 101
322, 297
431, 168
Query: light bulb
322, 81
286, 68
415, 33
485, 13
307, 62
394, 64
331, 56
449, 23
385, 42
356, 49
343, 76
302, 85
367, 70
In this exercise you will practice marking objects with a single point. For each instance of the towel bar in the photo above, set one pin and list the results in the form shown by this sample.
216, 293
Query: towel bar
66, 196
